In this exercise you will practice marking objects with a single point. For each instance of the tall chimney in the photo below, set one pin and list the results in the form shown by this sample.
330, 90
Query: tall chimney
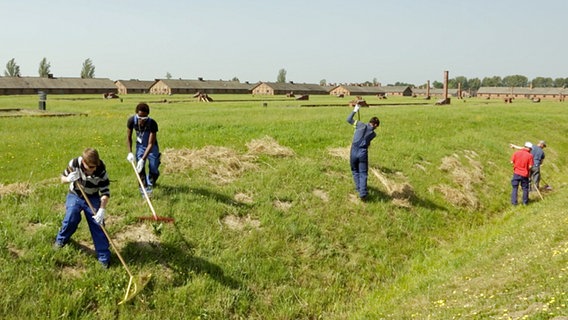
428, 88
446, 85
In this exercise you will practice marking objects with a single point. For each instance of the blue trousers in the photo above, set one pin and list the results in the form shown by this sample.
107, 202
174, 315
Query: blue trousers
524, 182
153, 165
359, 160
73, 207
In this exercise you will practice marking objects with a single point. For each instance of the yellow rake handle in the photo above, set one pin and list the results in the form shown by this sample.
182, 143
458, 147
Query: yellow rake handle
130, 282
144, 191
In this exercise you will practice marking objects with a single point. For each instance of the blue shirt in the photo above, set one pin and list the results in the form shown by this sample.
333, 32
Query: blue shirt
538, 155
364, 133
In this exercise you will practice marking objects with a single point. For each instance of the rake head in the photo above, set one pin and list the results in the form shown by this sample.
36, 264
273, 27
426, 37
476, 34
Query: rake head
133, 288
157, 218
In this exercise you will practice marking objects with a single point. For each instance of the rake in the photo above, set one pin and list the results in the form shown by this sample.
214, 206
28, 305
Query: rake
132, 289
537, 191
154, 217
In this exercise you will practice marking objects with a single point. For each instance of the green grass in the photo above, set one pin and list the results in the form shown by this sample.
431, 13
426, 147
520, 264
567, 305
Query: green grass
323, 257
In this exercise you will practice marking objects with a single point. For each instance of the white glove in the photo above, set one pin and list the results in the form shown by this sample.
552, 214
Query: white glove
73, 176
100, 216
356, 108
140, 165
130, 157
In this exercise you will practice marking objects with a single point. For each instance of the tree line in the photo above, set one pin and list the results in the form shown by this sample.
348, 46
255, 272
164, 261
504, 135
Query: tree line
44, 70
473, 84
508, 81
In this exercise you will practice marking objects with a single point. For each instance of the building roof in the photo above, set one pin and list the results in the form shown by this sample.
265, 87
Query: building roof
136, 84
292, 86
363, 90
55, 83
204, 84
389, 89
521, 90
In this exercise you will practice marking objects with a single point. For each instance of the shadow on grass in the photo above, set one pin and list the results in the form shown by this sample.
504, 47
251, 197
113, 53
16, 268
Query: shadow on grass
179, 258
172, 191
376, 195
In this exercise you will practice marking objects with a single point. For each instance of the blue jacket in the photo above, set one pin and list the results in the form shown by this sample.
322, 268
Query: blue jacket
364, 133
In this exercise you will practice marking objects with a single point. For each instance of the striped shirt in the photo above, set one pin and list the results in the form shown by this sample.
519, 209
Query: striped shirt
95, 184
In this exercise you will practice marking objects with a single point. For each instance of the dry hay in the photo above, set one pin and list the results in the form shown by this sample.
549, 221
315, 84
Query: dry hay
321, 194
400, 192
140, 234
34, 227
342, 153
72, 272
466, 175
458, 198
240, 223
223, 164
282, 205
461, 174
18, 188
15, 252
269, 146
244, 198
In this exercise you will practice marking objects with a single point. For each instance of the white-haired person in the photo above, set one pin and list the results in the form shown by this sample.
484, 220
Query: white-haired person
538, 158
522, 161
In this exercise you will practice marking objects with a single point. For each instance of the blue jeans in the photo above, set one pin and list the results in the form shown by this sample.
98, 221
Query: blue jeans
153, 165
73, 206
359, 160
524, 182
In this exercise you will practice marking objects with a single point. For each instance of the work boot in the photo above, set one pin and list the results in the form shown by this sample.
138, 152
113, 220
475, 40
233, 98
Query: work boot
58, 245
105, 264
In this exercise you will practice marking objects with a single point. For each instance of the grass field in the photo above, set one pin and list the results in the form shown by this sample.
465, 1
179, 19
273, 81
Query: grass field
267, 223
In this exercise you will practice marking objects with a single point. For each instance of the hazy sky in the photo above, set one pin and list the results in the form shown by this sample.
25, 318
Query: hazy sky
339, 41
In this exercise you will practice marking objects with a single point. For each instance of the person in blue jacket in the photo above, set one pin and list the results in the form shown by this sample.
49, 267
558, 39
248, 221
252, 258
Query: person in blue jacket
359, 157
147, 147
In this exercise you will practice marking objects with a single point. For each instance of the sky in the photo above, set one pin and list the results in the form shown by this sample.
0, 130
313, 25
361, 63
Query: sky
338, 41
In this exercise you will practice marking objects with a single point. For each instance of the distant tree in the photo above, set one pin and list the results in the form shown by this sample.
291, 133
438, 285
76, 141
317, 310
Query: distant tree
403, 84
516, 81
88, 70
542, 82
323, 82
168, 75
437, 85
494, 81
559, 82
375, 82
457, 81
281, 76
235, 79
44, 68
473, 84
12, 69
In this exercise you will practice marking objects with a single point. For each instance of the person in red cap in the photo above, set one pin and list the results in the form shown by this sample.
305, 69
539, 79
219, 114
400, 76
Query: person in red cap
522, 161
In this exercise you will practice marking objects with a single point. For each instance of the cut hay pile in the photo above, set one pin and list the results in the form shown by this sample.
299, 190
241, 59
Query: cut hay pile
240, 223
342, 153
400, 192
465, 174
268, 146
18, 189
223, 164
141, 235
